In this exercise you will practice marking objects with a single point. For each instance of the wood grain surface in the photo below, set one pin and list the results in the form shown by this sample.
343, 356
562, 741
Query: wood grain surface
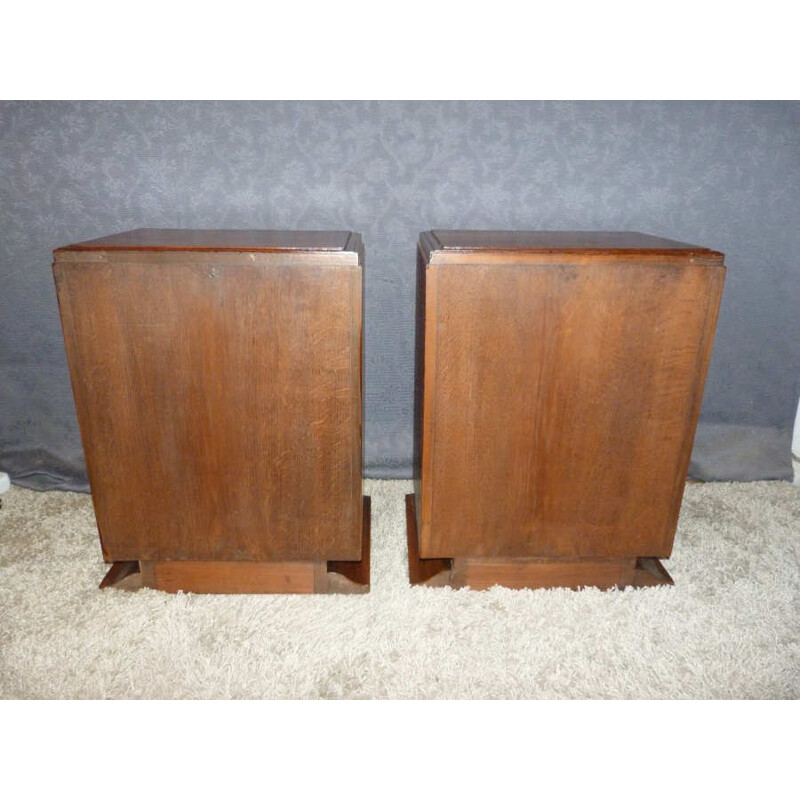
561, 392
219, 399
235, 577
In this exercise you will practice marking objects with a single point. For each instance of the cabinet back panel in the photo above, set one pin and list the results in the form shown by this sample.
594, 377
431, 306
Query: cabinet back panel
562, 407
220, 406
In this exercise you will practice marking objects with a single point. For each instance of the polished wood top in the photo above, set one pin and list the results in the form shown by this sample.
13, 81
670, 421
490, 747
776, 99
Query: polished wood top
545, 241
161, 239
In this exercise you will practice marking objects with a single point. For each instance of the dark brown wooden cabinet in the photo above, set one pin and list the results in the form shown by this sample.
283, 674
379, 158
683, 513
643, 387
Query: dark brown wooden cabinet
559, 381
217, 379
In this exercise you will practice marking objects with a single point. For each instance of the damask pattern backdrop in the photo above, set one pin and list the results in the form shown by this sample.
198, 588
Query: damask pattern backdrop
723, 175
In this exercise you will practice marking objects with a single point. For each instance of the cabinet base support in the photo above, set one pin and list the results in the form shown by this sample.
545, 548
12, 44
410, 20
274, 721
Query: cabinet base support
527, 573
248, 577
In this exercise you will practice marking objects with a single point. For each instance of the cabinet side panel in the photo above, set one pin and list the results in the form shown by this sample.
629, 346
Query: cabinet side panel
566, 401
220, 407
419, 377
713, 298
428, 399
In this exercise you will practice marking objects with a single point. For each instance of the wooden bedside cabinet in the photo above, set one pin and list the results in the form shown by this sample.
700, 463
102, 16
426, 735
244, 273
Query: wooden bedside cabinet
559, 378
217, 380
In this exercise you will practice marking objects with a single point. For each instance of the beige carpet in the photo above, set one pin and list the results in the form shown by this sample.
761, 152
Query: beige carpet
730, 628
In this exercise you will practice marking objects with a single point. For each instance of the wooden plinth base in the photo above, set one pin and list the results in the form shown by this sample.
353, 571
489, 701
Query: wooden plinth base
248, 577
527, 573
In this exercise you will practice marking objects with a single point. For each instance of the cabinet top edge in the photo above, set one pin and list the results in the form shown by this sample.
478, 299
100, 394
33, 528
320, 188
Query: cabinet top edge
453, 242
269, 241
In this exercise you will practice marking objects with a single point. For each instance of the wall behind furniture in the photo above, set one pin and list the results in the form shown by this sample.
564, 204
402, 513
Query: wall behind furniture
722, 175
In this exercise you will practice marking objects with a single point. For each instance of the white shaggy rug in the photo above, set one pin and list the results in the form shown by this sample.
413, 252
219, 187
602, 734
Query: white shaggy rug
729, 628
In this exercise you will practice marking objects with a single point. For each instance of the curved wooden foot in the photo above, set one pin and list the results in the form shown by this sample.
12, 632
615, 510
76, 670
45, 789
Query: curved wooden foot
352, 577
423, 571
123, 575
651, 572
